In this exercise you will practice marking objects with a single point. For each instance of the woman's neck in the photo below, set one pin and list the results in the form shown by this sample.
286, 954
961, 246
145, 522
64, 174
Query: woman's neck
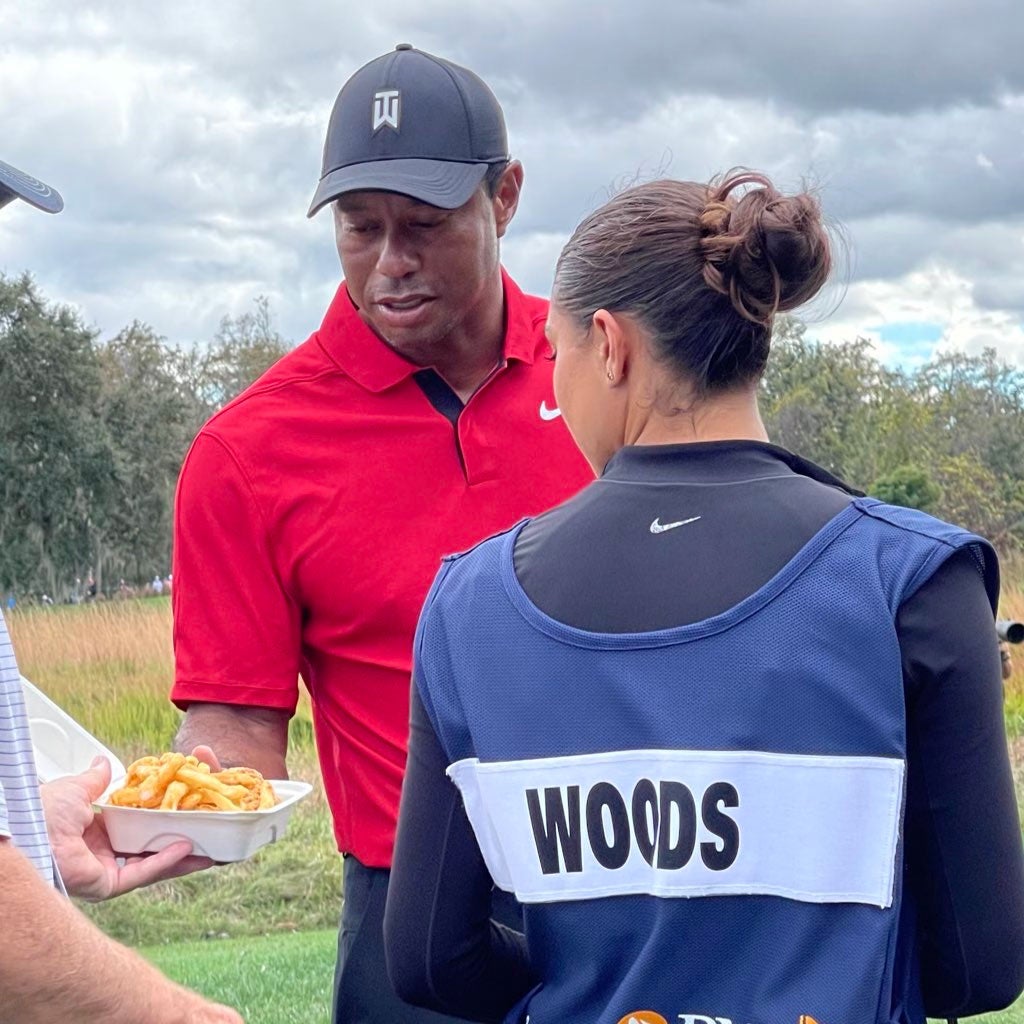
733, 416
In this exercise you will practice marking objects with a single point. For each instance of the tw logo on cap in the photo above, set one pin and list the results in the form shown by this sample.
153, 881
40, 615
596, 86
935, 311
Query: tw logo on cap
387, 109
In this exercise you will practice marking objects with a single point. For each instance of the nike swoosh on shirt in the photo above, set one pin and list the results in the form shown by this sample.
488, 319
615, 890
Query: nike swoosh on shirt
549, 414
657, 527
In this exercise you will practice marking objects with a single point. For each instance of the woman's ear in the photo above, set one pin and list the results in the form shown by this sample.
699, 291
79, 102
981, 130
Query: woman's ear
614, 338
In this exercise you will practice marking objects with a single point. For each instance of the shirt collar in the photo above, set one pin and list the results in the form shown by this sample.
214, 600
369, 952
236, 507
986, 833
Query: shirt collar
375, 366
524, 322
711, 462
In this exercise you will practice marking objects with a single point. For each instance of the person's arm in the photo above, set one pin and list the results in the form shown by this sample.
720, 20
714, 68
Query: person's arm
237, 626
443, 950
89, 867
965, 862
239, 736
57, 966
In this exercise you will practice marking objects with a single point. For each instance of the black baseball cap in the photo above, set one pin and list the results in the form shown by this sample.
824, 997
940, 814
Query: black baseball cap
412, 123
15, 184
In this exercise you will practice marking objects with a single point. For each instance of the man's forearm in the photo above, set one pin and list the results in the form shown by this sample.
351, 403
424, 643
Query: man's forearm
55, 965
239, 736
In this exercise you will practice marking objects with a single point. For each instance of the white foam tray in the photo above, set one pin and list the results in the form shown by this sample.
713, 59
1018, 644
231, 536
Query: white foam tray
221, 835
60, 744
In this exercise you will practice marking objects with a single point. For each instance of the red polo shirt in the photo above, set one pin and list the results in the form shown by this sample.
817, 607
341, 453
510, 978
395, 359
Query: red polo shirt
311, 516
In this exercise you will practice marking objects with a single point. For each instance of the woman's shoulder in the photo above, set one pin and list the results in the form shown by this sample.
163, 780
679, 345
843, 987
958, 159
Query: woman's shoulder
912, 520
929, 542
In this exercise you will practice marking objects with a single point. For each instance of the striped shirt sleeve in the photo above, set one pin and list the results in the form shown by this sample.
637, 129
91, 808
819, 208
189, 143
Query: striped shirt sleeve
21, 811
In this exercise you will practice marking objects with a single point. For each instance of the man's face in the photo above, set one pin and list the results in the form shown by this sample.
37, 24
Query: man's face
423, 277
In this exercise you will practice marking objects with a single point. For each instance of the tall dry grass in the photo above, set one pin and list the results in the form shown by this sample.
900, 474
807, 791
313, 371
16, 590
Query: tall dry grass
110, 664
94, 637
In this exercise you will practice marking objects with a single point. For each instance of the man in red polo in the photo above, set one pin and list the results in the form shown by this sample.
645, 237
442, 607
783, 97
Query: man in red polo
313, 510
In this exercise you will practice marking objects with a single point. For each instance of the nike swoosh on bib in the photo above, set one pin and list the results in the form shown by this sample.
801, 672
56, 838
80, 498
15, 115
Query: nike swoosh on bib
549, 414
658, 527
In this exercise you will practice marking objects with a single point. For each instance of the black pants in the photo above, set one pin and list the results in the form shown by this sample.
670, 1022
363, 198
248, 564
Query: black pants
362, 989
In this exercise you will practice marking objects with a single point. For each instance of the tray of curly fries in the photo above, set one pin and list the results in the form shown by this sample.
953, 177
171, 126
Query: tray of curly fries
227, 815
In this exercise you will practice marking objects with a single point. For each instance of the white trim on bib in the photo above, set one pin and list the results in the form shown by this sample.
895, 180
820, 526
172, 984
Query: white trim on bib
684, 823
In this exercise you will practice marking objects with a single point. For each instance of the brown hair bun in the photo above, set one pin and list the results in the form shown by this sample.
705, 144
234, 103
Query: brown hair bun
766, 251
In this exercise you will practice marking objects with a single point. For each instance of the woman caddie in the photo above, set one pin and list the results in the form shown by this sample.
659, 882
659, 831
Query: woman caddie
731, 731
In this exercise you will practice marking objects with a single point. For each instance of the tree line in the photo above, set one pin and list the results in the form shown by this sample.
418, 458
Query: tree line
946, 437
93, 433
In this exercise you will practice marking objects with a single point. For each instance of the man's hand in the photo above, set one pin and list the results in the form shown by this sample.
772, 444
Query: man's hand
87, 864
207, 756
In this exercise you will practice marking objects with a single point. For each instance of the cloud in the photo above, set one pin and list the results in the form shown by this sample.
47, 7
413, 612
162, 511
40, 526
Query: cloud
609, 61
912, 318
187, 139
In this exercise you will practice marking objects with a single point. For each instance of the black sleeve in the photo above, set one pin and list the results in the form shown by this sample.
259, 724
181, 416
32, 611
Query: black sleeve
443, 950
964, 857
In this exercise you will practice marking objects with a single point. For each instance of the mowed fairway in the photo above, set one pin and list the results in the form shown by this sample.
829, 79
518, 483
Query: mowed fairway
258, 935
278, 979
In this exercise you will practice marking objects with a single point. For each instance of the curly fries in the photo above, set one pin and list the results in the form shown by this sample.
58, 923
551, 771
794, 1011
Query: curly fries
181, 782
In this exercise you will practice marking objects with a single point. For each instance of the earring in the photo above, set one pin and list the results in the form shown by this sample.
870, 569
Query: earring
611, 376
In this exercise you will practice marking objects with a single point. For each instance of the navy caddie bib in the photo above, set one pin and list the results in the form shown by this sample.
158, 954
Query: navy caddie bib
704, 823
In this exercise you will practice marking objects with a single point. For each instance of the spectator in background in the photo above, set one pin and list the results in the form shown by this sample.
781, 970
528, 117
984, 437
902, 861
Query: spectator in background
157, 584
1005, 661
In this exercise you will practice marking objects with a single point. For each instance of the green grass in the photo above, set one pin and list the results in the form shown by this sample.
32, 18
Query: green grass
1014, 710
286, 979
1013, 1015
281, 979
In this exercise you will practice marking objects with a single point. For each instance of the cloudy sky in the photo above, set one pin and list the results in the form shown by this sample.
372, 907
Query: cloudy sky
186, 140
